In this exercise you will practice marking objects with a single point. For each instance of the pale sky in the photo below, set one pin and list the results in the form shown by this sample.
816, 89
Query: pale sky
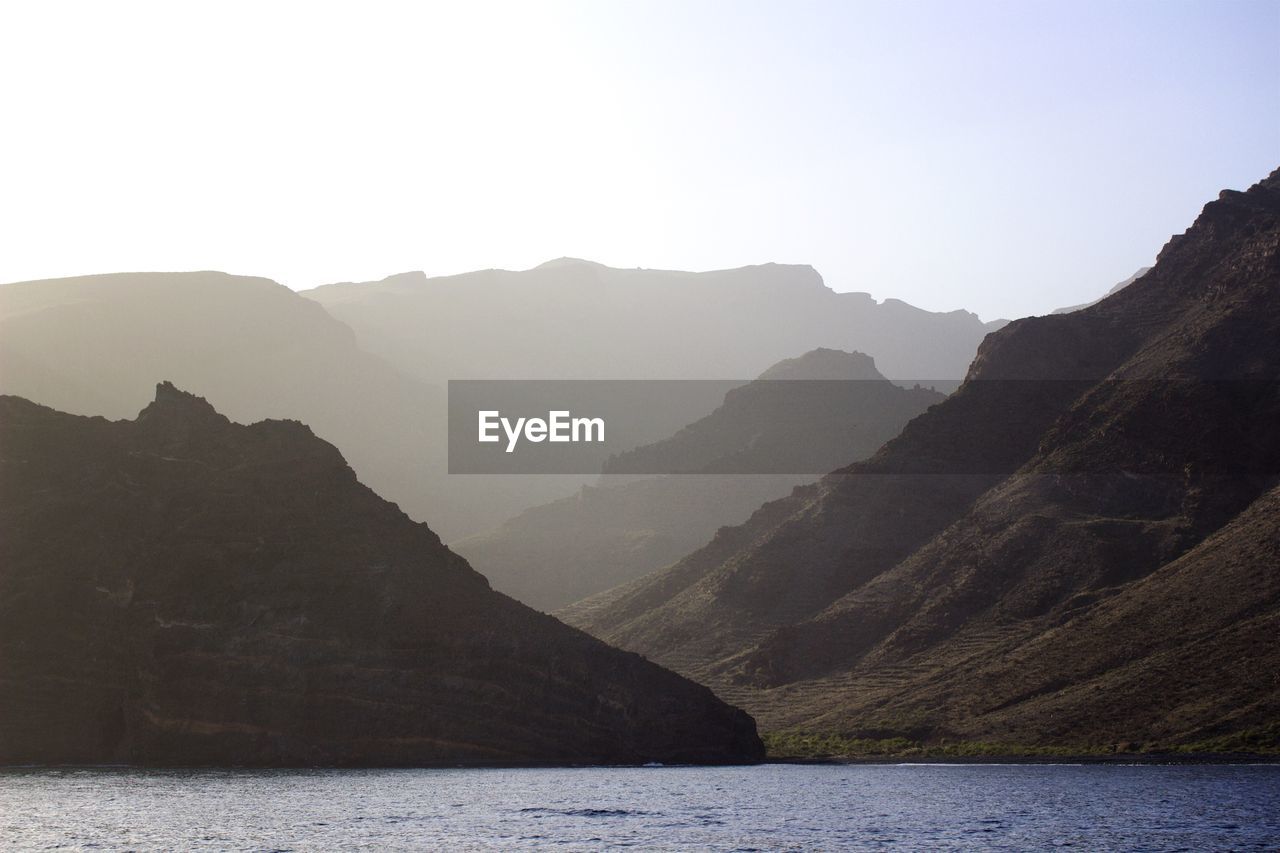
1007, 158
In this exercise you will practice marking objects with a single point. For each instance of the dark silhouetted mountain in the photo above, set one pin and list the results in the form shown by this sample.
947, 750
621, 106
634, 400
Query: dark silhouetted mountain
803, 416
572, 319
1078, 547
1113, 291
179, 589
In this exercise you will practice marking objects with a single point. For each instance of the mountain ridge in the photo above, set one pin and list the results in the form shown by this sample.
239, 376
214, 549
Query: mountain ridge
793, 299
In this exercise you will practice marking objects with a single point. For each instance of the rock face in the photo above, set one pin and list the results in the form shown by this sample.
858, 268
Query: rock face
1078, 547
180, 589
803, 417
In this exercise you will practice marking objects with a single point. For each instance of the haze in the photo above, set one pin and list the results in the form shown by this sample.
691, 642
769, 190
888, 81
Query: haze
1004, 158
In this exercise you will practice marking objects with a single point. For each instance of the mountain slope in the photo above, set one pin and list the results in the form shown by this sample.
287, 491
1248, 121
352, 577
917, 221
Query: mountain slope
803, 416
1119, 286
179, 589
1084, 455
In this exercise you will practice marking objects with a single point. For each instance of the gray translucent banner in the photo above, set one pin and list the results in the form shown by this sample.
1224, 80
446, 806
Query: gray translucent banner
643, 426
801, 427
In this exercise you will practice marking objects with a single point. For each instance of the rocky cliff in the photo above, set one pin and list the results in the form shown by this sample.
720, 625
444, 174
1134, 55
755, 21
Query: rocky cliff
180, 589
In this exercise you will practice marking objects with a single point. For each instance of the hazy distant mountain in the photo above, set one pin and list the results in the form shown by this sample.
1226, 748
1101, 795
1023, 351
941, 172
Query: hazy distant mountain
179, 589
97, 344
1079, 547
789, 421
573, 319
252, 341
1114, 290
841, 409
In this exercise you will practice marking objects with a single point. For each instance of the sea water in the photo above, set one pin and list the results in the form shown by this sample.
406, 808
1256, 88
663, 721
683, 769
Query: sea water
768, 807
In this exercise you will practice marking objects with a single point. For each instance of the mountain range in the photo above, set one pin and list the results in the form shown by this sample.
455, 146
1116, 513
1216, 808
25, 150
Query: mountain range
1078, 548
96, 345
803, 416
575, 319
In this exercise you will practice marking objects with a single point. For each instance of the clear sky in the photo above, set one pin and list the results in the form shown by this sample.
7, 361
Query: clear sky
1005, 157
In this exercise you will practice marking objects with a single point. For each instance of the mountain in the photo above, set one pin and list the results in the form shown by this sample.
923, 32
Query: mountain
1077, 548
833, 407
182, 590
574, 319
802, 416
96, 345
1113, 291
90, 344
824, 364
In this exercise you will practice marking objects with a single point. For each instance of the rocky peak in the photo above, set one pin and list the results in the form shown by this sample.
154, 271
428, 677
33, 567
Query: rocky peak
1233, 212
173, 406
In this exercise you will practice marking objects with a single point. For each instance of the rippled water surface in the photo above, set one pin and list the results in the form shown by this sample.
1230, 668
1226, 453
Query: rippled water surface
1015, 807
